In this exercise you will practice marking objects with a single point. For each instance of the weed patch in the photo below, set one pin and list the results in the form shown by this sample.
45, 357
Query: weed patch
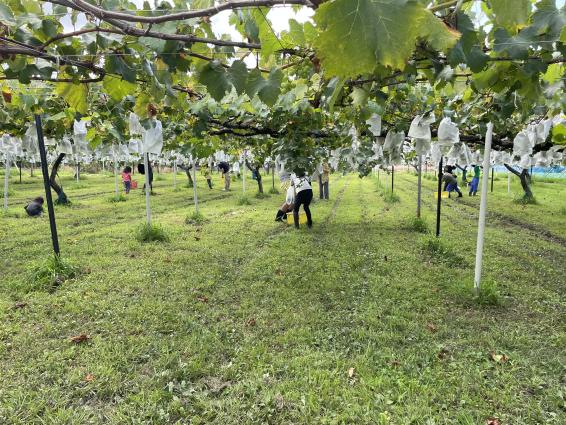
195, 218
438, 250
526, 200
118, 198
51, 274
260, 195
151, 233
243, 200
417, 224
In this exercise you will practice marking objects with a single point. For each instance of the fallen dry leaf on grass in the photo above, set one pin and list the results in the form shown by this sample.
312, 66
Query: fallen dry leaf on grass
351, 372
443, 354
19, 305
431, 327
498, 358
89, 377
492, 421
80, 338
251, 322
202, 298
395, 363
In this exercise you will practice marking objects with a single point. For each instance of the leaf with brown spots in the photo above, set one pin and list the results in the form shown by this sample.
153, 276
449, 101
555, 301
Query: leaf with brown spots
80, 338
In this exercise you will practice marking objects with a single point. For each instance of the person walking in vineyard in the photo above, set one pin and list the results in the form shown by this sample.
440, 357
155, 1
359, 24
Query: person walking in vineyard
303, 196
207, 175
451, 183
475, 181
127, 179
225, 168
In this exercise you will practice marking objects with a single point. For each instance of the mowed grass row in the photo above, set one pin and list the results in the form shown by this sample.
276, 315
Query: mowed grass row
245, 321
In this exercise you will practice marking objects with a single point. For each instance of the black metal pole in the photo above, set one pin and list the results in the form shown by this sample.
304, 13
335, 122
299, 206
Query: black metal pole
21, 164
439, 200
45, 172
392, 177
491, 179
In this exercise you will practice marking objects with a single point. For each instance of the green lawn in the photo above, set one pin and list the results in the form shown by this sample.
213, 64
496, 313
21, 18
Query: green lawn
243, 320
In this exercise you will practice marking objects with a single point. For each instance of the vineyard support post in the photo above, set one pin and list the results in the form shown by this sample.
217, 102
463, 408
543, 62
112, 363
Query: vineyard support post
195, 185
392, 177
492, 172
6, 179
147, 188
244, 176
483, 209
48, 198
175, 174
439, 200
116, 186
419, 183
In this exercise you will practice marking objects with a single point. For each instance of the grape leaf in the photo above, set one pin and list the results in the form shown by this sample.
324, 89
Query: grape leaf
237, 75
255, 82
6, 14
213, 76
272, 87
511, 13
74, 94
118, 89
549, 20
355, 36
516, 47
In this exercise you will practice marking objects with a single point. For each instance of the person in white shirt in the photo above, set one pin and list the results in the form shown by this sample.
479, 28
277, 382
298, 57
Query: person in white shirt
303, 196
287, 205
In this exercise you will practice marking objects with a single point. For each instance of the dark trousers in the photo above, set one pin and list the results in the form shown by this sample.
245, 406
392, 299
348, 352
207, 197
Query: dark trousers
325, 190
304, 198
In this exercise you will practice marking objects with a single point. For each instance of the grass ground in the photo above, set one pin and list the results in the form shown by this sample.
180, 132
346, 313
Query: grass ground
238, 319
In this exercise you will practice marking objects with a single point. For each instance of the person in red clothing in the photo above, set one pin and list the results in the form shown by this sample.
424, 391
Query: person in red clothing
127, 178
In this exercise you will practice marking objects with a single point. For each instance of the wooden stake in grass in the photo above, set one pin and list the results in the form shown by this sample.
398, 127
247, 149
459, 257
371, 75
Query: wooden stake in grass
483, 208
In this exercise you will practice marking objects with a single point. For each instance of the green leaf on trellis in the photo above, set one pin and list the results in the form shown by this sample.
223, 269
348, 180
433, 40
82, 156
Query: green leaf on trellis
467, 50
254, 83
237, 75
272, 87
516, 47
511, 13
6, 14
213, 76
355, 36
117, 89
549, 20
74, 94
